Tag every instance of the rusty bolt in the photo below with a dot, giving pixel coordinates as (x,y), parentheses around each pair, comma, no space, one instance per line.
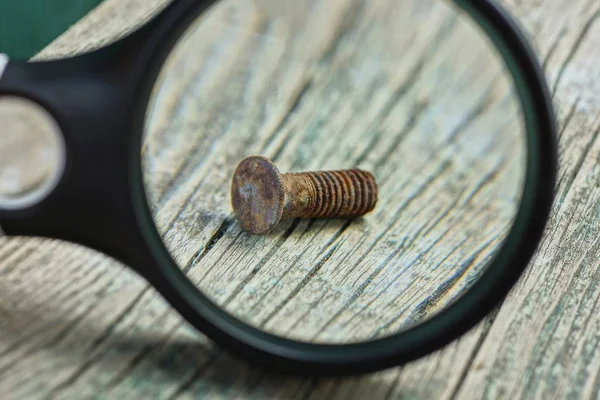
(262,196)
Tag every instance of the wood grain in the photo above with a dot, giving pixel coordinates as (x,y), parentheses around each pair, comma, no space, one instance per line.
(75,324)
(433,116)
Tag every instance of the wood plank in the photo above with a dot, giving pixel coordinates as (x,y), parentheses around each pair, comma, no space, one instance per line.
(75,324)
(543,343)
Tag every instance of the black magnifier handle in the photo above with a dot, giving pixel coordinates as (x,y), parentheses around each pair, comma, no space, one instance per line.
(91,97)
(98,101)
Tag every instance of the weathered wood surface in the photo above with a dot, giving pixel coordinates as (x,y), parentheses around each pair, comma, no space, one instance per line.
(433,117)
(74,324)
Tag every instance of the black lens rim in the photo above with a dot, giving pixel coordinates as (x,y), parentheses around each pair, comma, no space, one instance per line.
(348,359)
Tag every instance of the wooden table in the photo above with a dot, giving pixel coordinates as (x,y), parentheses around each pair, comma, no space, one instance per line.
(75,324)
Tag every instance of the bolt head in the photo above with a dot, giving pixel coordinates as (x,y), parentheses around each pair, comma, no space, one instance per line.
(257,194)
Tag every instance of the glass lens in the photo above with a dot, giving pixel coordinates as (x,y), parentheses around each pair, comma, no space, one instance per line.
(412,91)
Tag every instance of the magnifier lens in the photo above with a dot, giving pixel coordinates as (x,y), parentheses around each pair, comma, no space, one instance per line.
(412,91)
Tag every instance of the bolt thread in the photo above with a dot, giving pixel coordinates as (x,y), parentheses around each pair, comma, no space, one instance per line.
(330,194)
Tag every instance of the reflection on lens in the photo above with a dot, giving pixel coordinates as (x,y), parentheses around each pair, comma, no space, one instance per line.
(411,90)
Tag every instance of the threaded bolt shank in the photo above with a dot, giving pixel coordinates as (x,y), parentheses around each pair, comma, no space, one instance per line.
(261,196)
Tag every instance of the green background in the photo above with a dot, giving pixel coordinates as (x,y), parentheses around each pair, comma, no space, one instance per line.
(27,26)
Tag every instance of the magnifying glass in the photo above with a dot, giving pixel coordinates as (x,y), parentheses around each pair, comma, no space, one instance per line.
(440,104)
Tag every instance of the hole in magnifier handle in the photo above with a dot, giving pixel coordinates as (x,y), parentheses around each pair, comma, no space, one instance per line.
(32,153)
